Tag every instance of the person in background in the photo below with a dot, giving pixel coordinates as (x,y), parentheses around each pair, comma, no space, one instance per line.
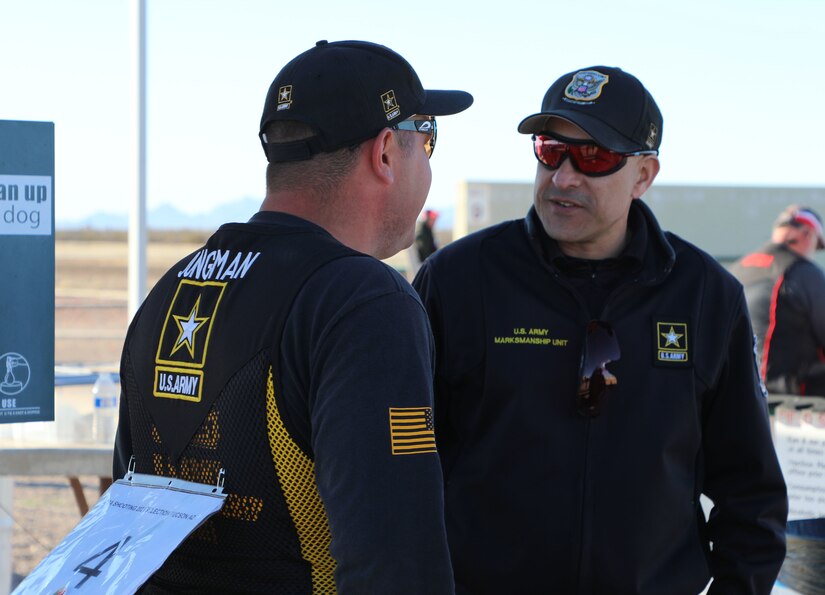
(424,236)
(785,291)
(286,353)
(595,376)
(424,243)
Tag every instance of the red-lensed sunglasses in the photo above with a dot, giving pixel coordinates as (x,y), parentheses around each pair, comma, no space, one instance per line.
(601,346)
(586,157)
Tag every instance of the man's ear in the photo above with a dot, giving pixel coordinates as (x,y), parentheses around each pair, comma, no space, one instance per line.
(648,169)
(384,154)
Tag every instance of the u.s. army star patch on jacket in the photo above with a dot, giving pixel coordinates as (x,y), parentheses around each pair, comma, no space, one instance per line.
(672,338)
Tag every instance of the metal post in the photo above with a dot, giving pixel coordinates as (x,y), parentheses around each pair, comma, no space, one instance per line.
(6,531)
(137,211)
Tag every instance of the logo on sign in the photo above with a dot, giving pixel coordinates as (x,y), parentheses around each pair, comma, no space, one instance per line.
(16,373)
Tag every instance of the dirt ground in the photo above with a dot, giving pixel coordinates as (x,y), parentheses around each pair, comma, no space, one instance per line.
(44,512)
(91,294)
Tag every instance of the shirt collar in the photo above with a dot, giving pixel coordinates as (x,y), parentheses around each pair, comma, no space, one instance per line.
(632,255)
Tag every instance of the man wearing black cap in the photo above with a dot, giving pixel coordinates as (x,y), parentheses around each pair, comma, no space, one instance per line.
(595,376)
(784,289)
(284,352)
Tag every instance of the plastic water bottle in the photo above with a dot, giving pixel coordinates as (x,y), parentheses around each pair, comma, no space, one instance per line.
(104,421)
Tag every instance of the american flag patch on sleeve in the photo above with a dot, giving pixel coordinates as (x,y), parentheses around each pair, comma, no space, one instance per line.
(412,430)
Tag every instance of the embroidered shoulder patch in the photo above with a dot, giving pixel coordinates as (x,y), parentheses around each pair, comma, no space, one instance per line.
(672,340)
(412,430)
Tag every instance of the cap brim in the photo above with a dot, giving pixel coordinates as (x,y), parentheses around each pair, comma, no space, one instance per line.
(444,103)
(603,134)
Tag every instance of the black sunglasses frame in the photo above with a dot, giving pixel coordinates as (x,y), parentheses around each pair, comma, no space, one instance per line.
(423,126)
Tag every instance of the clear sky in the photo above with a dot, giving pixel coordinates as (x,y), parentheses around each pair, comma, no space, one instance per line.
(740,85)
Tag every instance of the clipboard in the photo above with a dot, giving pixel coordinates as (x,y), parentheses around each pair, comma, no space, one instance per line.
(126,536)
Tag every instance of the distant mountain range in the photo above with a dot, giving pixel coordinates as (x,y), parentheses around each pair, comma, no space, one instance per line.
(166,216)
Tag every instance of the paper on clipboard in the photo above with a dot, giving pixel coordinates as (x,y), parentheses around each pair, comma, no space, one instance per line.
(125,537)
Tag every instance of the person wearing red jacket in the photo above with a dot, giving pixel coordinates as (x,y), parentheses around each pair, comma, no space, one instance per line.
(784,289)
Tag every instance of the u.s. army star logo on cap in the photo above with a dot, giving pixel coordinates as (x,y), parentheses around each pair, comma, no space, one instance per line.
(284,97)
(391,107)
(672,342)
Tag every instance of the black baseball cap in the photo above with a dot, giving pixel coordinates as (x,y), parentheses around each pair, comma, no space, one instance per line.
(607,103)
(348,91)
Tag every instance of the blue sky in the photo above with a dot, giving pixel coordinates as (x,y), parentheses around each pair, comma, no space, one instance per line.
(740,85)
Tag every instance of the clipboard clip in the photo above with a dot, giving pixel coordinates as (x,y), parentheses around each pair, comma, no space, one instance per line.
(173,483)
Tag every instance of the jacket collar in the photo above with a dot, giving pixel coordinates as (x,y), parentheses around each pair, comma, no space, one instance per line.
(657,254)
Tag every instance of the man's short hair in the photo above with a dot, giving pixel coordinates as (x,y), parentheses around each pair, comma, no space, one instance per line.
(321,174)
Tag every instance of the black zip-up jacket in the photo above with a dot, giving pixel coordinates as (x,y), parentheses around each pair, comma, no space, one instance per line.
(543,500)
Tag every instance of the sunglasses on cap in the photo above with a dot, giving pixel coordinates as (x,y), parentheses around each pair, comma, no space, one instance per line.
(586,157)
(423,126)
(601,346)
